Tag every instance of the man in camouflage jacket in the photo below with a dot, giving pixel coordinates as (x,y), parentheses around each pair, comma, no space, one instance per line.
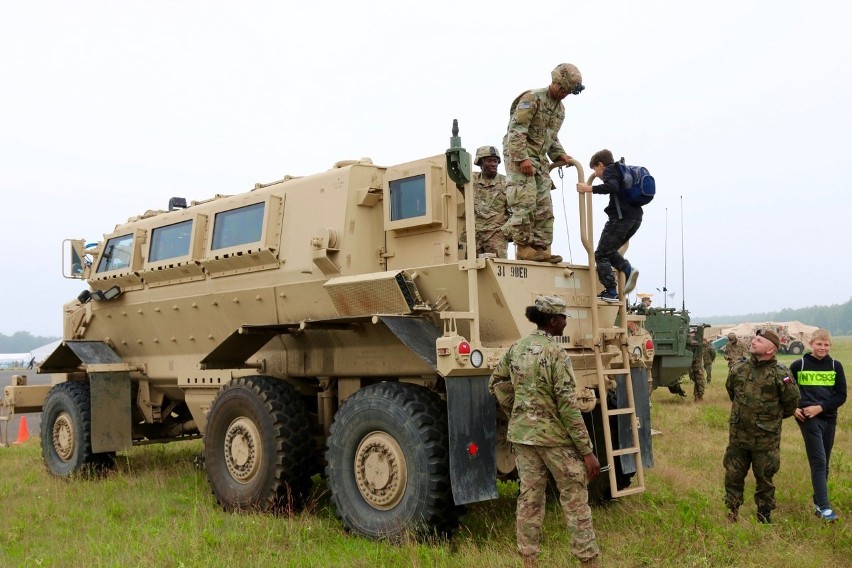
(763,393)
(709,357)
(696,369)
(734,350)
(534,384)
(531,138)
(489,203)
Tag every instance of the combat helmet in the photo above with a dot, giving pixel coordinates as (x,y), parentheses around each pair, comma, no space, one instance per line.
(568,77)
(485,152)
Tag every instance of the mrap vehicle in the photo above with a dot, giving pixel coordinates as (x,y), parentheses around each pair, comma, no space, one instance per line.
(328,324)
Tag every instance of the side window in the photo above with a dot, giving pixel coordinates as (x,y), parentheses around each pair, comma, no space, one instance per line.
(117,253)
(408,198)
(238,226)
(171,241)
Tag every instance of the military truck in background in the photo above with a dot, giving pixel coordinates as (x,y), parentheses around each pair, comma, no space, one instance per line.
(328,324)
(670,330)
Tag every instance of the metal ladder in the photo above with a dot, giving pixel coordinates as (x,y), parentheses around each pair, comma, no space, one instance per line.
(600,340)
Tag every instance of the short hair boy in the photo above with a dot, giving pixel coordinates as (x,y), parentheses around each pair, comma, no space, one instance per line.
(623,221)
(822,386)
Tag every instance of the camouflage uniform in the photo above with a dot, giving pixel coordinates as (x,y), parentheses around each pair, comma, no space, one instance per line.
(696,370)
(763,393)
(709,357)
(532,134)
(735,351)
(489,203)
(534,384)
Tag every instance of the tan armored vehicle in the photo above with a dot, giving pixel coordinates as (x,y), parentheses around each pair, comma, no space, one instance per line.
(327,324)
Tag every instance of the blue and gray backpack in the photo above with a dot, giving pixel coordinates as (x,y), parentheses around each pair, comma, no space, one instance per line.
(638,188)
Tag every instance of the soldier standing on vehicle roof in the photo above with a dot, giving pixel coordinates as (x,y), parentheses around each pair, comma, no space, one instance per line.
(489,203)
(531,138)
(734,350)
(762,393)
(534,384)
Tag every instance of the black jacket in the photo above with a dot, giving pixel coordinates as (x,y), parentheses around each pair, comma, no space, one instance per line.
(612,183)
(825,386)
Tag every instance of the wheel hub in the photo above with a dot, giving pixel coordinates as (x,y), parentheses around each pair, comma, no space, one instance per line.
(63,436)
(243,450)
(380,470)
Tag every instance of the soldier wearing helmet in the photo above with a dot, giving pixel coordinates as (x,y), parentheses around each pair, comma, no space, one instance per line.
(530,144)
(489,203)
(734,350)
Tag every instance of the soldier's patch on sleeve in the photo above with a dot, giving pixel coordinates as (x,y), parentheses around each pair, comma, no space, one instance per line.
(787,379)
(524,105)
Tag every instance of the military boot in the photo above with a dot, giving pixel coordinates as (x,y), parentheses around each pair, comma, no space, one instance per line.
(699,398)
(524,252)
(764,515)
(552,258)
(732,516)
(529,561)
(591,562)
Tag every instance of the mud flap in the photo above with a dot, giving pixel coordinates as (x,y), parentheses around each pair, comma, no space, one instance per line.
(642,400)
(472,416)
(111,412)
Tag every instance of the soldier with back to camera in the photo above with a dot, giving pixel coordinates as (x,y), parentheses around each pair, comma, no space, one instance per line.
(734,350)
(709,357)
(489,203)
(531,142)
(762,393)
(535,386)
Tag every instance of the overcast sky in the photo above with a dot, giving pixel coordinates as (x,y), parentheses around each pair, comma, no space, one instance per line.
(739,109)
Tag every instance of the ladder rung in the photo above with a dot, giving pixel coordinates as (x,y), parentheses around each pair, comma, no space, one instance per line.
(617,411)
(614,371)
(632,490)
(625,451)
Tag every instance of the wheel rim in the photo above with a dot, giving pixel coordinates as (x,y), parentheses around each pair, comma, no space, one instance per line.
(243,450)
(380,470)
(63,436)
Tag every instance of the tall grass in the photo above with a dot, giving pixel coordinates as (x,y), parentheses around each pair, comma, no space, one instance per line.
(155,509)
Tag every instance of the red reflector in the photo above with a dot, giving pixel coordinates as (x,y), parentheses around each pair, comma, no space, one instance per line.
(472,449)
(464,348)
(649,344)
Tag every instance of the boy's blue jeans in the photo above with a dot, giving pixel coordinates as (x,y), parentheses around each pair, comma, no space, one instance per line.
(615,233)
(819,439)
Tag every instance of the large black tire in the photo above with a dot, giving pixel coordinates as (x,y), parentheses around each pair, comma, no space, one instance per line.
(257,446)
(388,463)
(66,431)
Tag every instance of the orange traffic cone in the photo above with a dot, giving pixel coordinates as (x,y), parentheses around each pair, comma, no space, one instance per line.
(23,432)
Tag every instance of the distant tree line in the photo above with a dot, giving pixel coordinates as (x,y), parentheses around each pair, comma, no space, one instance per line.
(836,318)
(22,342)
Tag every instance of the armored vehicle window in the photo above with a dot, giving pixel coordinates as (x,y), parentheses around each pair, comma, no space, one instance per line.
(408,198)
(116,254)
(238,226)
(171,241)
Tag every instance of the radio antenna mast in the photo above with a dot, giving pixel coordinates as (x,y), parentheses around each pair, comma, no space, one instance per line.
(682,261)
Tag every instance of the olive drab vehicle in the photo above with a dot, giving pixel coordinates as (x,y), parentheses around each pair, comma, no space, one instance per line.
(672,356)
(328,324)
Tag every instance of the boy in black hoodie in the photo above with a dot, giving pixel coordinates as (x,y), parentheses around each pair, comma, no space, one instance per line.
(624,220)
(822,386)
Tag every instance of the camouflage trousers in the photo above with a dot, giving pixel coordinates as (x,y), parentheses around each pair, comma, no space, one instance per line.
(528,198)
(569,471)
(697,377)
(708,371)
(492,241)
(764,465)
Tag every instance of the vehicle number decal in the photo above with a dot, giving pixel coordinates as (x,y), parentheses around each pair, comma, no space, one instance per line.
(512,271)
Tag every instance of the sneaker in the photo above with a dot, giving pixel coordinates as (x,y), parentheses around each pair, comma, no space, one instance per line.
(827,515)
(610,296)
(630,278)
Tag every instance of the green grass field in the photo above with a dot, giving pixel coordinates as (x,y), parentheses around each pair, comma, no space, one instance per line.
(156,509)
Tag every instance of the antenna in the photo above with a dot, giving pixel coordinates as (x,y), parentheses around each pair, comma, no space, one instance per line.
(665,260)
(682,265)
